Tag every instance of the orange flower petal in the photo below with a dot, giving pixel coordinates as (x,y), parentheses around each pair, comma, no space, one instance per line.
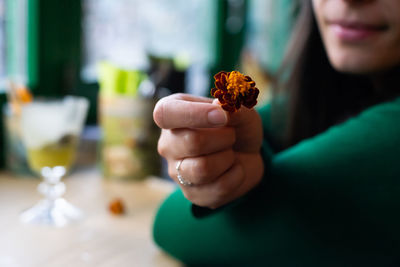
(234,89)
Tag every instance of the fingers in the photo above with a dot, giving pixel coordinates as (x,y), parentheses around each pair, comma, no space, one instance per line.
(220,150)
(183,143)
(184,111)
(204,169)
(248,129)
(219,192)
(244,173)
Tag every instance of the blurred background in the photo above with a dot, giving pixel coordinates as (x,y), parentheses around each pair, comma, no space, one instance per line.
(99,48)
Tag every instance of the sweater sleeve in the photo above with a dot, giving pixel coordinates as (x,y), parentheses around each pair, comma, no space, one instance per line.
(331,200)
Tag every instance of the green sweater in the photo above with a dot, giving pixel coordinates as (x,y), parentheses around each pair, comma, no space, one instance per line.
(330,200)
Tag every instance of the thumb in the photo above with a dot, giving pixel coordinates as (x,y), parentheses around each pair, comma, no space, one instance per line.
(248,128)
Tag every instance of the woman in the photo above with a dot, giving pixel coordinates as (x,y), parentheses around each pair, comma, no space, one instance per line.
(313,180)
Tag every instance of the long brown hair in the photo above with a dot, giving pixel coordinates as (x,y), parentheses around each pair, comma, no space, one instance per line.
(316,95)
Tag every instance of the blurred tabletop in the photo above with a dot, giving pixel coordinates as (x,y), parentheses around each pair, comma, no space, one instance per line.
(101,239)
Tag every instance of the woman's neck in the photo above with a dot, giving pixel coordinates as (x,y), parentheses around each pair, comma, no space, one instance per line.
(387,84)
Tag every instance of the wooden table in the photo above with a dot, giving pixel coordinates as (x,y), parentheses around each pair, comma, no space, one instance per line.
(100,239)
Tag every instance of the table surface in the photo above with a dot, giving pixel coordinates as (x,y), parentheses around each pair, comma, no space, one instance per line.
(101,239)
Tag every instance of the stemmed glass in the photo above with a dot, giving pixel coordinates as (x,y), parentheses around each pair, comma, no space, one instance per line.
(50,131)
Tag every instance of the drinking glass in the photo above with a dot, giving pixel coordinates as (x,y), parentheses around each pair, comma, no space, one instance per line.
(50,131)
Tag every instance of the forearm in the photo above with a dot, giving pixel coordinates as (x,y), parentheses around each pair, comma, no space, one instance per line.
(250,232)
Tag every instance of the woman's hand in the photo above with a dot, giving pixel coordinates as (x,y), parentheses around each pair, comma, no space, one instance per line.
(219,152)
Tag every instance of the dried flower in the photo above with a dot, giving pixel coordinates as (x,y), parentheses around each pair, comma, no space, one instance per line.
(234,89)
(116,207)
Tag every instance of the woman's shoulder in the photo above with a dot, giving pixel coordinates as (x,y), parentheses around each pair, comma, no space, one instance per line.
(366,145)
(384,116)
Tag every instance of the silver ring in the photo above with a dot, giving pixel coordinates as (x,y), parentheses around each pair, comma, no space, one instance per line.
(181,180)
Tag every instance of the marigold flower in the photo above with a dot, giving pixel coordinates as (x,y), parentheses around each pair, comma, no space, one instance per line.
(234,89)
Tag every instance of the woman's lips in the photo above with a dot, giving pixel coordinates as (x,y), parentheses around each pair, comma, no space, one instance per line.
(355,32)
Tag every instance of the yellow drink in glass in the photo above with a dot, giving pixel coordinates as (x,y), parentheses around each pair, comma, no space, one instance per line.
(50,130)
(57,154)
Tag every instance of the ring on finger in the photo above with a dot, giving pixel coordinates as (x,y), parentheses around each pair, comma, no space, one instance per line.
(181,180)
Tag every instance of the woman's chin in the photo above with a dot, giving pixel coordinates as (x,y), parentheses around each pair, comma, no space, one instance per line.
(355,67)
(361,64)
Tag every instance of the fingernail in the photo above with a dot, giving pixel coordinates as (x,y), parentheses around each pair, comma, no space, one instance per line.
(217,117)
